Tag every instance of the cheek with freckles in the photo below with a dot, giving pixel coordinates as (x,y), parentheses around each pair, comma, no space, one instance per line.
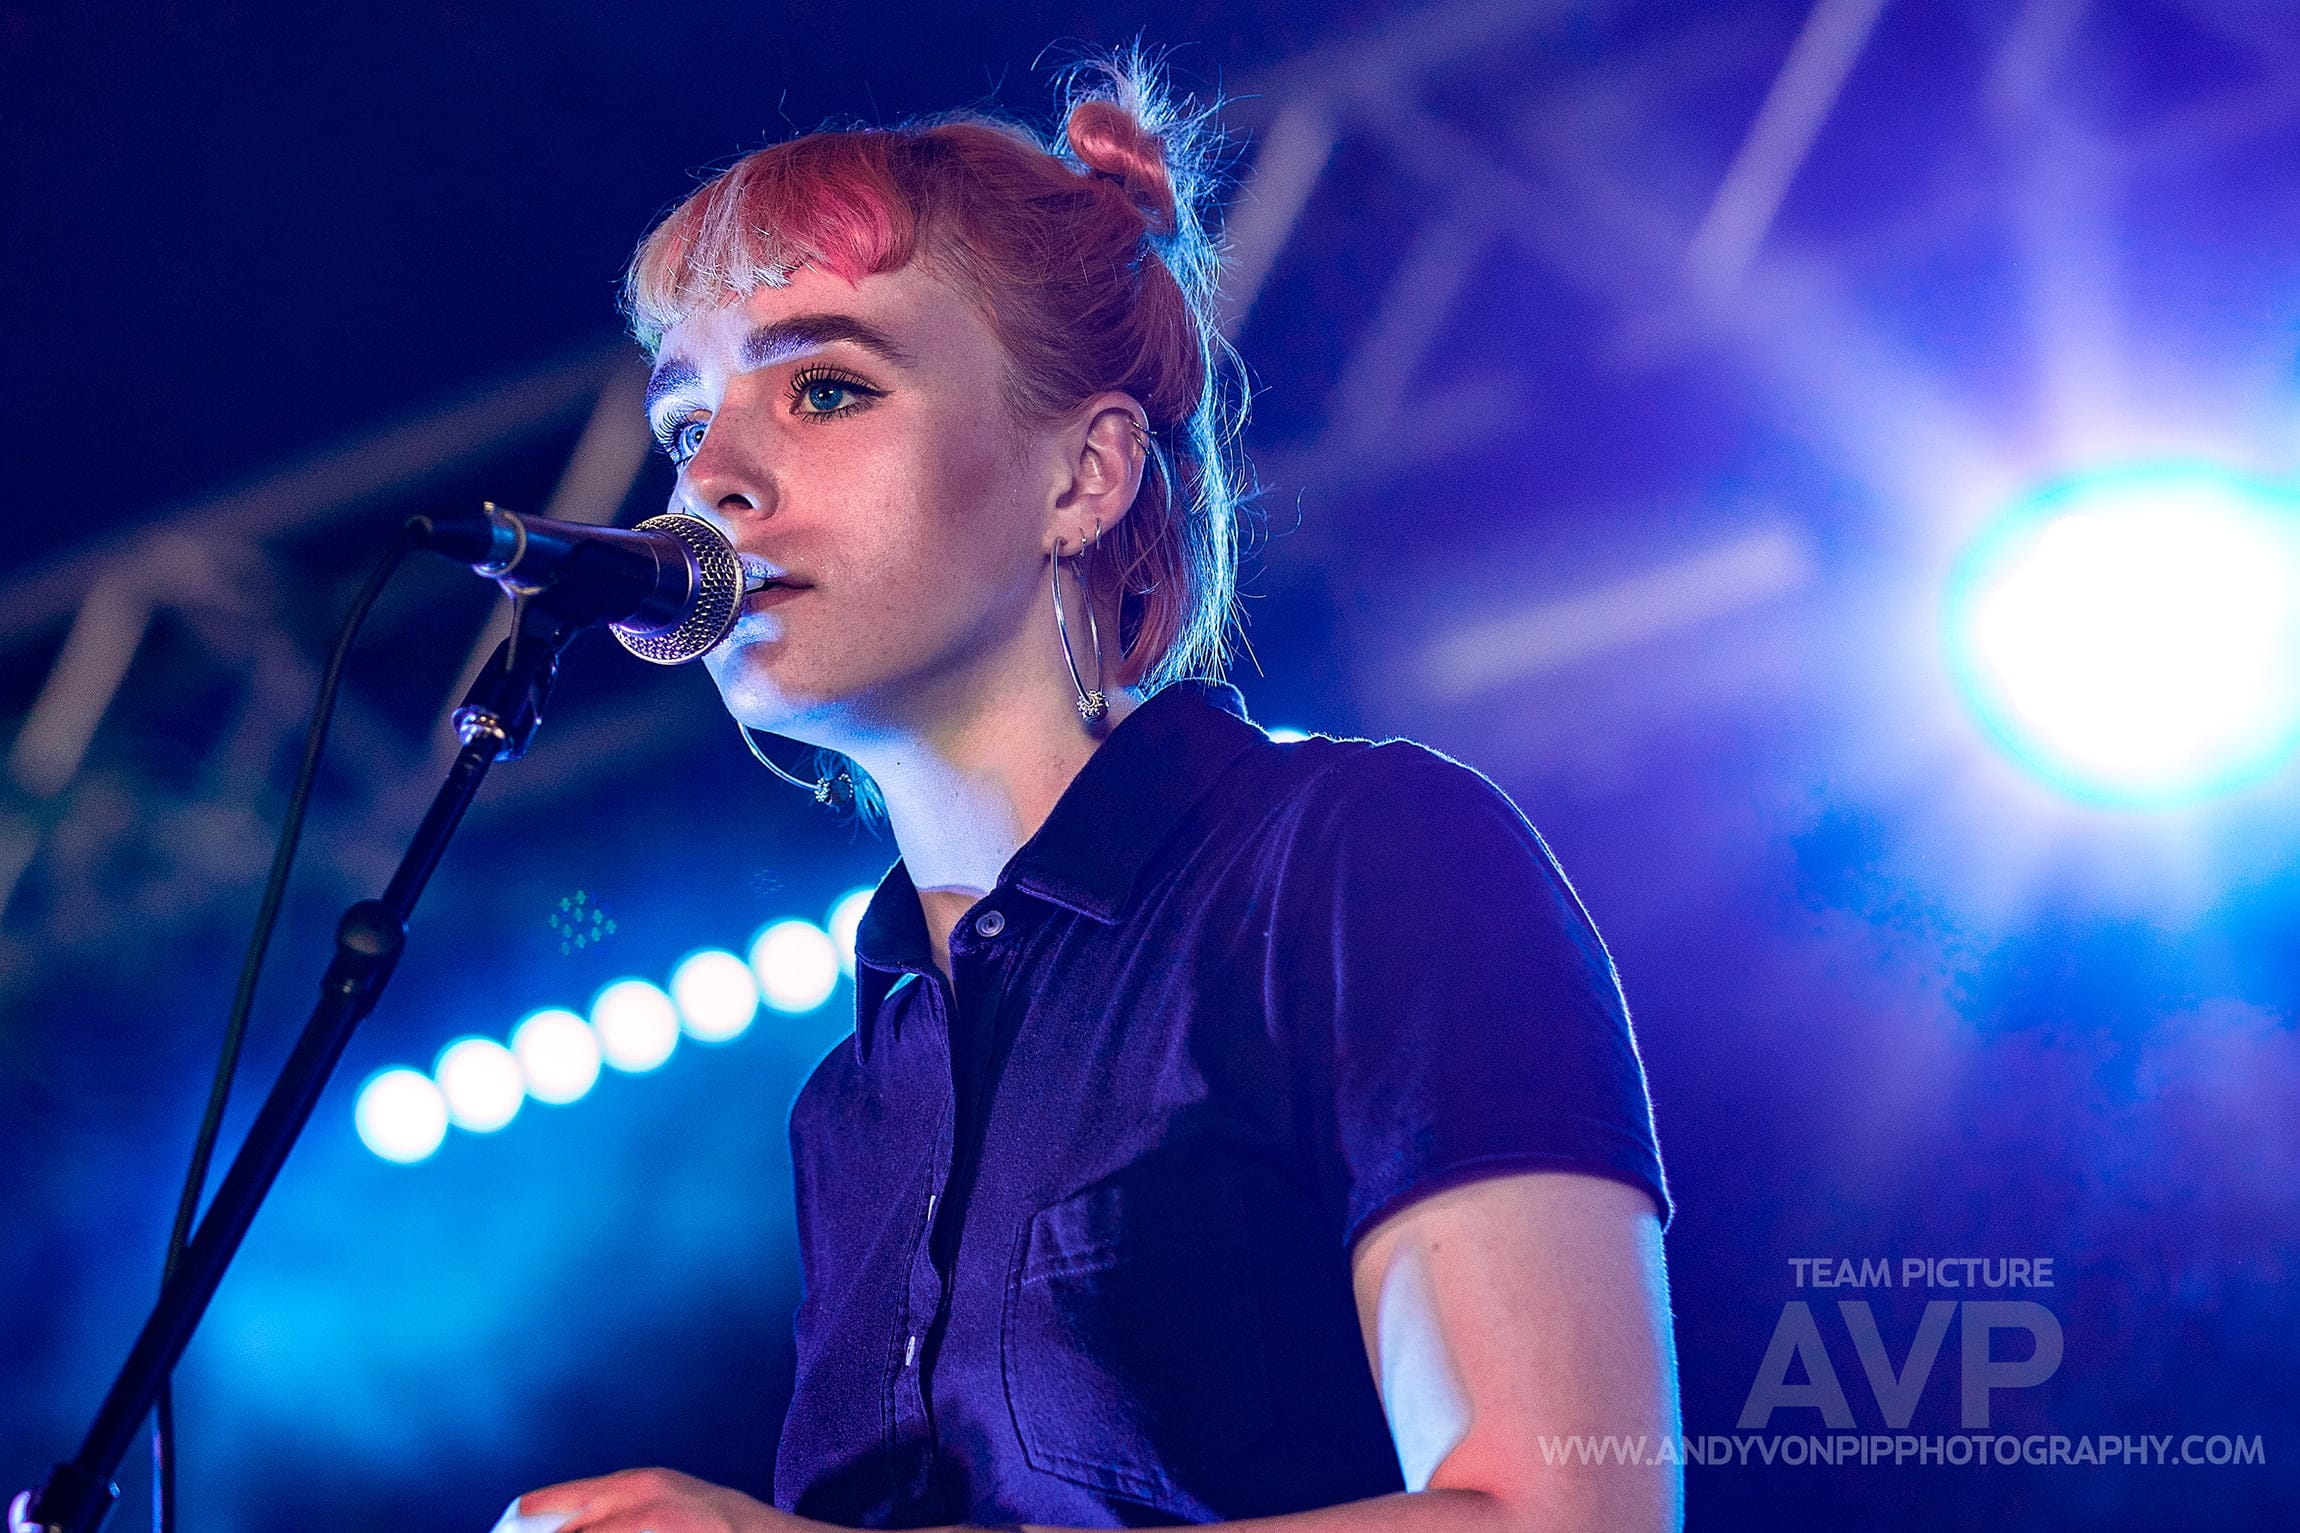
(944,544)
(926,555)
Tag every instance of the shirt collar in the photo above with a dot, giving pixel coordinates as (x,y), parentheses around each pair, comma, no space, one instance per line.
(1125,803)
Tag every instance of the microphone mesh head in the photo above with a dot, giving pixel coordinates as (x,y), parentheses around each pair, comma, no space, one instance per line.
(718,594)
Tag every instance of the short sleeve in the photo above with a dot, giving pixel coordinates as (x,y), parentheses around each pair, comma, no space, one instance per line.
(1450,1009)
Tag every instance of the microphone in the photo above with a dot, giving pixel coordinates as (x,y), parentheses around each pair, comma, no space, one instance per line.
(669,589)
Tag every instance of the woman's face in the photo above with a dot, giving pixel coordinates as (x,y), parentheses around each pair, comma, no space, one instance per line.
(855,438)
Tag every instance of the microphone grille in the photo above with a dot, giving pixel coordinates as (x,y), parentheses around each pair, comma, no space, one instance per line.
(718,594)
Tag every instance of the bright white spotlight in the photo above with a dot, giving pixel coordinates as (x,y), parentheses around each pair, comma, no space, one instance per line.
(716,995)
(638,1027)
(796,964)
(2135,637)
(481,1082)
(558,1055)
(845,920)
(400,1115)
(1285,736)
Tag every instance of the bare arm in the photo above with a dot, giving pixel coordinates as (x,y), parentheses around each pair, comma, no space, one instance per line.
(1504,1318)
(1511,1315)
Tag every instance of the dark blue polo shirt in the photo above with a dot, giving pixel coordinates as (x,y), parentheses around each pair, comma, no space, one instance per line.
(1076,1230)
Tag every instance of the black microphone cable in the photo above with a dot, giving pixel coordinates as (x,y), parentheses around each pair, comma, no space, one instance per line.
(412,535)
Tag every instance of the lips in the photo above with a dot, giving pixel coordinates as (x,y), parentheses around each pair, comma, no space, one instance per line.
(760,573)
(757,621)
(766,584)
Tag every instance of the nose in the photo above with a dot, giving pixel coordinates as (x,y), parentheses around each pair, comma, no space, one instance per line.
(728,479)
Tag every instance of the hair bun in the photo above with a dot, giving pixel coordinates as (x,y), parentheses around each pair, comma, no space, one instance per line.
(1114,144)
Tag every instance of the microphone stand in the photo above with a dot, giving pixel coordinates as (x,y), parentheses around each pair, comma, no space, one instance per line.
(497,721)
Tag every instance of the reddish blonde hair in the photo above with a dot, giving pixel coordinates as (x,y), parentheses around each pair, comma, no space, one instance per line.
(1089,261)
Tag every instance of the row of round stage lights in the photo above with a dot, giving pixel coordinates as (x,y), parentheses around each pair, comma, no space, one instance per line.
(555,1055)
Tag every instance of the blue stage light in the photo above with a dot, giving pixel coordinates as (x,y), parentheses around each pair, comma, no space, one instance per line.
(555,1055)
(716,995)
(845,918)
(558,1055)
(481,1083)
(400,1115)
(1286,736)
(637,1024)
(2134,637)
(796,964)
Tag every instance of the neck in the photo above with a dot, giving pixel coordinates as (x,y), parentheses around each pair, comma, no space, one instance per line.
(967,789)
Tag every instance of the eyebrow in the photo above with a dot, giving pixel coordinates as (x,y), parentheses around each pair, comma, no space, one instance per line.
(801,333)
(779,341)
(669,376)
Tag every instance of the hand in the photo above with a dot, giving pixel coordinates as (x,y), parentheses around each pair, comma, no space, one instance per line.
(657,1501)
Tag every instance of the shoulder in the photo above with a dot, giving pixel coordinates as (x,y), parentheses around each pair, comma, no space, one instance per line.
(1395,854)
(826,1099)
(1399,802)
(1394,778)
(1433,975)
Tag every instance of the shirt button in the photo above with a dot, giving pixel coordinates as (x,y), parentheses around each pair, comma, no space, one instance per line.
(989,924)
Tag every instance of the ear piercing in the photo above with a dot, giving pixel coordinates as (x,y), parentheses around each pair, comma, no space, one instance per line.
(1092,705)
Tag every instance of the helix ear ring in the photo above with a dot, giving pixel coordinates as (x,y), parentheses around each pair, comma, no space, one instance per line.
(1092,705)
(1154,462)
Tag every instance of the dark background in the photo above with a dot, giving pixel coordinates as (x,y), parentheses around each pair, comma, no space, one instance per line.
(282,274)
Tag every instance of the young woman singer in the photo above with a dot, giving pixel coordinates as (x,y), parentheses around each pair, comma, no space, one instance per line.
(1232,1131)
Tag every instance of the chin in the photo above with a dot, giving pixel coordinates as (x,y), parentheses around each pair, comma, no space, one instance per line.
(763,699)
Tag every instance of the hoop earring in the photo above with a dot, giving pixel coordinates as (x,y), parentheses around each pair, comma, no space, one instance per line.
(1091,703)
(835,791)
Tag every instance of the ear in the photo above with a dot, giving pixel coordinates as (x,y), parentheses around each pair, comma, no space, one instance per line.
(1105,451)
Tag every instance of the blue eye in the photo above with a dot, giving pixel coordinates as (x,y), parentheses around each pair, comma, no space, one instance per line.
(820,392)
(685,440)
